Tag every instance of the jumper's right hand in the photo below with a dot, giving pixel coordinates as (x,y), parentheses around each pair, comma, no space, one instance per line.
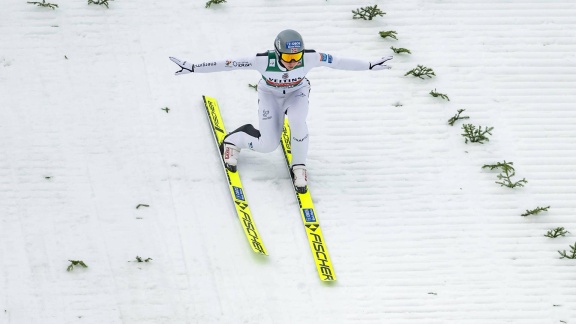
(186,67)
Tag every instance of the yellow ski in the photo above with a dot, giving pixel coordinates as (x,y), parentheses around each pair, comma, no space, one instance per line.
(310,219)
(236,189)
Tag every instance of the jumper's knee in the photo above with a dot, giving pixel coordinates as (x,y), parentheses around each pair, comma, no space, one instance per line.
(267,146)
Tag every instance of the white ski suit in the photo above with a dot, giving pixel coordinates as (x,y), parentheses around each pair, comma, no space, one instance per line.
(281,91)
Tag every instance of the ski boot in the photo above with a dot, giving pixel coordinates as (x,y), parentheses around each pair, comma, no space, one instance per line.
(229,155)
(300,178)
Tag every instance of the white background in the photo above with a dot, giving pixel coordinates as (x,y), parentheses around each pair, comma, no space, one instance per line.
(418,232)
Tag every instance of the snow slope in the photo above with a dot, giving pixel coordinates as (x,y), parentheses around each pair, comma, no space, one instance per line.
(418,232)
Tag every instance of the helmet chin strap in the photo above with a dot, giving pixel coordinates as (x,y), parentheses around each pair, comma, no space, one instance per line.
(278,54)
(281,63)
(279,57)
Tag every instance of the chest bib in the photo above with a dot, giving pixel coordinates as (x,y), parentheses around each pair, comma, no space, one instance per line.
(275,77)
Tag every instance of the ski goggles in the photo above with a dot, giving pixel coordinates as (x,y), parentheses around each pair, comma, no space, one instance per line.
(289,57)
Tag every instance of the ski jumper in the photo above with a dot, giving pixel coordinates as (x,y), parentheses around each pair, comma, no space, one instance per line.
(280,92)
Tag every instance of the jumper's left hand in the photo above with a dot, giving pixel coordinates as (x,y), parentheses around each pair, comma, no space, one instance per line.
(379,64)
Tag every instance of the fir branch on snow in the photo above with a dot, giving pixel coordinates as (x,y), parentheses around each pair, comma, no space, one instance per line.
(535,211)
(254,86)
(572,255)
(211,2)
(507,172)
(436,94)
(420,71)
(44,4)
(166,109)
(75,263)
(400,50)
(476,135)
(456,117)
(367,13)
(139,259)
(558,231)
(99,2)
(142,205)
(389,33)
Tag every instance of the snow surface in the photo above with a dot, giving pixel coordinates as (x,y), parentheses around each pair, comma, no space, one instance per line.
(418,232)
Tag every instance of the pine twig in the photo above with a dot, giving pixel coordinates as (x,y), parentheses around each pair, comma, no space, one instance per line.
(572,255)
(558,231)
(506,174)
(476,135)
(400,50)
(436,94)
(456,117)
(52,6)
(535,211)
(140,259)
(99,2)
(367,13)
(389,33)
(211,2)
(75,263)
(421,71)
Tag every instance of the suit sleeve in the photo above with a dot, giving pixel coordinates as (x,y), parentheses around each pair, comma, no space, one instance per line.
(338,63)
(245,63)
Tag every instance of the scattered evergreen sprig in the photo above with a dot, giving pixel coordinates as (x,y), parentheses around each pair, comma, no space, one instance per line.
(400,50)
(253,86)
(421,71)
(389,33)
(99,2)
(367,13)
(166,109)
(507,172)
(211,2)
(44,4)
(535,211)
(558,231)
(140,259)
(75,263)
(436,94)
(456,117)
(142,205)
(476,135)
(572,255)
